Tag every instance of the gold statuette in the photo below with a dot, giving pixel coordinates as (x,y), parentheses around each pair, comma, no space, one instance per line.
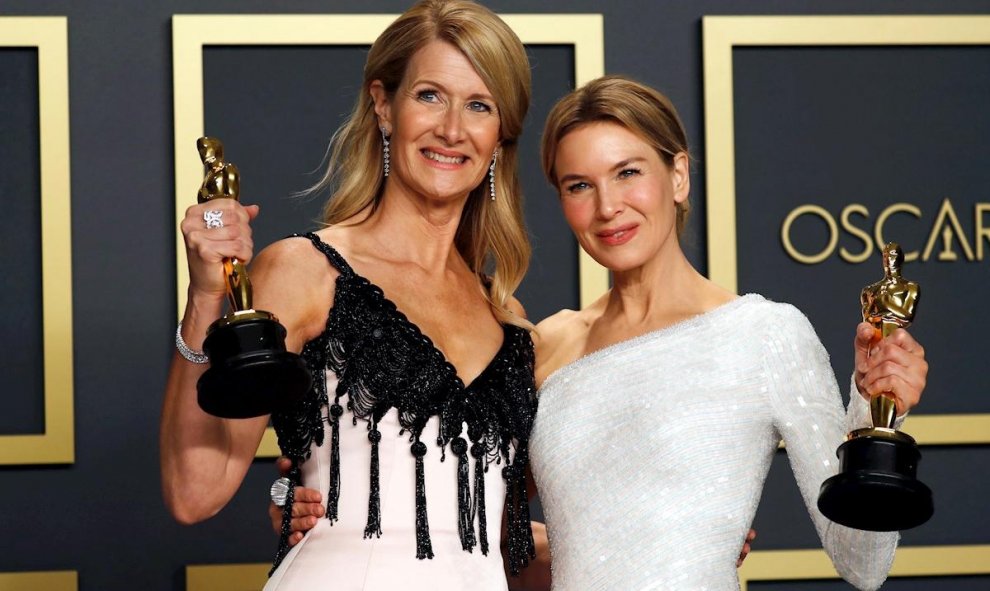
(251,373)
(876,487)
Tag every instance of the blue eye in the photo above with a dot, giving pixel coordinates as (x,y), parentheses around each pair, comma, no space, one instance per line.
(479,107)
(628,172)
(428,96)
(576,187)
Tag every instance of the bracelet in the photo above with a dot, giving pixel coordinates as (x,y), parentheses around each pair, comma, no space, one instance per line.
(185,351)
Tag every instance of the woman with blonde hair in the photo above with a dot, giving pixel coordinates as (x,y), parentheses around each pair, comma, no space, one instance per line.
(673,392)
(422,362)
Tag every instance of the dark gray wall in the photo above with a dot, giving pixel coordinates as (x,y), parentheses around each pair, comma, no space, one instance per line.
(103,516)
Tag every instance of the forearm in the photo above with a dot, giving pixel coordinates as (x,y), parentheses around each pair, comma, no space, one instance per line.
(203,458)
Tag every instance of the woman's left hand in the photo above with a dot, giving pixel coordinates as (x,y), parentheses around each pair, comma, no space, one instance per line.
(895,364)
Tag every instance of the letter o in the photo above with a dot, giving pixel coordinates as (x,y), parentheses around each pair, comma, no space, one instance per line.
(785,234)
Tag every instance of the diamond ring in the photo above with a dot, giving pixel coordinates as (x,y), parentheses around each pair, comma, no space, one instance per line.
(280,491)
(212,217)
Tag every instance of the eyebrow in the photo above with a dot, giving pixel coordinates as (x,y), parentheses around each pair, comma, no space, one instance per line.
(619,165)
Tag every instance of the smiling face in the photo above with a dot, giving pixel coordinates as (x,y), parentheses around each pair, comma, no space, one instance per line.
(443,124)
(618,196)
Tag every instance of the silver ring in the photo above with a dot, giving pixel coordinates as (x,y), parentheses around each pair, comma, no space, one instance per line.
(212,217)
(280,491)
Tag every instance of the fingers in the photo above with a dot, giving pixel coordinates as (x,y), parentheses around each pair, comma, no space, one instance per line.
(207,247)
(897,365)
(232,239)
(746,549)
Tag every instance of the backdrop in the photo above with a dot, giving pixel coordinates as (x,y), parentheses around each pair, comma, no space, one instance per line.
(815,139)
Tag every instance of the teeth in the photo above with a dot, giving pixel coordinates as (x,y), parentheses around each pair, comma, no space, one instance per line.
(442,158)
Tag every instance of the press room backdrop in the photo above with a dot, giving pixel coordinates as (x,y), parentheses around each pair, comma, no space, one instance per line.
(815,139)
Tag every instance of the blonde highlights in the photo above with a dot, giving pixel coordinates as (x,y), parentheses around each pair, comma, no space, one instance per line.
(491,234)
(616,99)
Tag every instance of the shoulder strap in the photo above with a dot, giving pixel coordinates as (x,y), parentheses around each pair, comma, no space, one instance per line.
(332,255)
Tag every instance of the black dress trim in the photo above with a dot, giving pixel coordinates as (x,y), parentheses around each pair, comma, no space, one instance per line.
(383,361)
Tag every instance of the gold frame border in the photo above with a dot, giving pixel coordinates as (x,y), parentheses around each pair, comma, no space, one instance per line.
(226,577)
(723,33)
(56,580)
(910,561)
(191,32)
(57,445)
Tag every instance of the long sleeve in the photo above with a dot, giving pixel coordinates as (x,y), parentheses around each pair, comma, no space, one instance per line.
(808,414)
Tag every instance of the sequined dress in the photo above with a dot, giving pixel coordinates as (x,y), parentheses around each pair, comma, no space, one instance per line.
(650,455)
(415,466)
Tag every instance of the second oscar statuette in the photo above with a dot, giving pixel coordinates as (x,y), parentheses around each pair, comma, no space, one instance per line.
(877,487)
(251,373)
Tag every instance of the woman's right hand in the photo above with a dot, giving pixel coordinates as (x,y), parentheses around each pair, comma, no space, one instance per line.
(307,507)
(206,248)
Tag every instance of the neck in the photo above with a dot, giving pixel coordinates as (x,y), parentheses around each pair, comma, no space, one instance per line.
(650,292)
(416,230)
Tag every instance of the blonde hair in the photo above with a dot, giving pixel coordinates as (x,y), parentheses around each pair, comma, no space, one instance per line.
(490,232)
(616,99)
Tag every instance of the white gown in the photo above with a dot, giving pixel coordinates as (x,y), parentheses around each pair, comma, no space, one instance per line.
(650,455)
(337,557)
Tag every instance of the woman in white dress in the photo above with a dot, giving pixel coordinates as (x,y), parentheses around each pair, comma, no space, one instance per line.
(662,403)
(415,430)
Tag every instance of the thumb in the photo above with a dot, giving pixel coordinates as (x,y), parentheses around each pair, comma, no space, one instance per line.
(866,335)
(283,464)
(252,211)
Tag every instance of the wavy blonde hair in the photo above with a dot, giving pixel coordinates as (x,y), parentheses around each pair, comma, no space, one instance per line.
(491,234)
(617,99)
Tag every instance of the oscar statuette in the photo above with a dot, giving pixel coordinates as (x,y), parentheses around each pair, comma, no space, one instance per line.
(251,373)
(876,488)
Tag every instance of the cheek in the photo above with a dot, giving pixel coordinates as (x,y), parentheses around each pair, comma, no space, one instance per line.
(577,212)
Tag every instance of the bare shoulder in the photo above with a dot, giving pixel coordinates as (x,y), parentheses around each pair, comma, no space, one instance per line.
(294,281)
(559,340)
(516,307)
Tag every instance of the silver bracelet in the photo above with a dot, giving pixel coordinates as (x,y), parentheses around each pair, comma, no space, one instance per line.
(185,351)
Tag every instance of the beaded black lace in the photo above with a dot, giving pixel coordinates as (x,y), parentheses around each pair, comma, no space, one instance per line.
(383,361)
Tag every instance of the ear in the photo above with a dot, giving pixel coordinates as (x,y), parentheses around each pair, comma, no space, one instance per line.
(383,106)
(680,173)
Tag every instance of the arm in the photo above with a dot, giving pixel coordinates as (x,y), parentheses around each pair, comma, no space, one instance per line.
(808,413)
(204,458)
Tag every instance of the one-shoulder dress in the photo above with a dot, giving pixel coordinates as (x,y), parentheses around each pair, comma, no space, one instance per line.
(650,455)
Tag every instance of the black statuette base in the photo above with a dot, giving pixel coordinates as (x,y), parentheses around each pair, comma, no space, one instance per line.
(251,374)
(876,488)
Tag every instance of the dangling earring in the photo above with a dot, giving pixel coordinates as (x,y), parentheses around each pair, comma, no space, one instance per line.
(385,150)
(491,174)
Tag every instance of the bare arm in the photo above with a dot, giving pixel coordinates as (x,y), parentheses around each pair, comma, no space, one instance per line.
(204,458)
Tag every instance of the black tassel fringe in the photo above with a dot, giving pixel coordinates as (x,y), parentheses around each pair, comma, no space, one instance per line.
(374,526)
(424,546)
(286,528)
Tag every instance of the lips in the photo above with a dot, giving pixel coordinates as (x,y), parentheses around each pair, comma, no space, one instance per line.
(618,235)
(441,157)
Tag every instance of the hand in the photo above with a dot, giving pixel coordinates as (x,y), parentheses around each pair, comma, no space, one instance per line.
(207,247)
(306,508)
(746,547)
(895,364)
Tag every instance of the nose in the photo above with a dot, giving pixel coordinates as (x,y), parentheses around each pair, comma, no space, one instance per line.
(450,127)
(609,203)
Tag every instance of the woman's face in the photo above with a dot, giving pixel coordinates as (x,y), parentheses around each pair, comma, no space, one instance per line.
(618,195)
(443,122)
